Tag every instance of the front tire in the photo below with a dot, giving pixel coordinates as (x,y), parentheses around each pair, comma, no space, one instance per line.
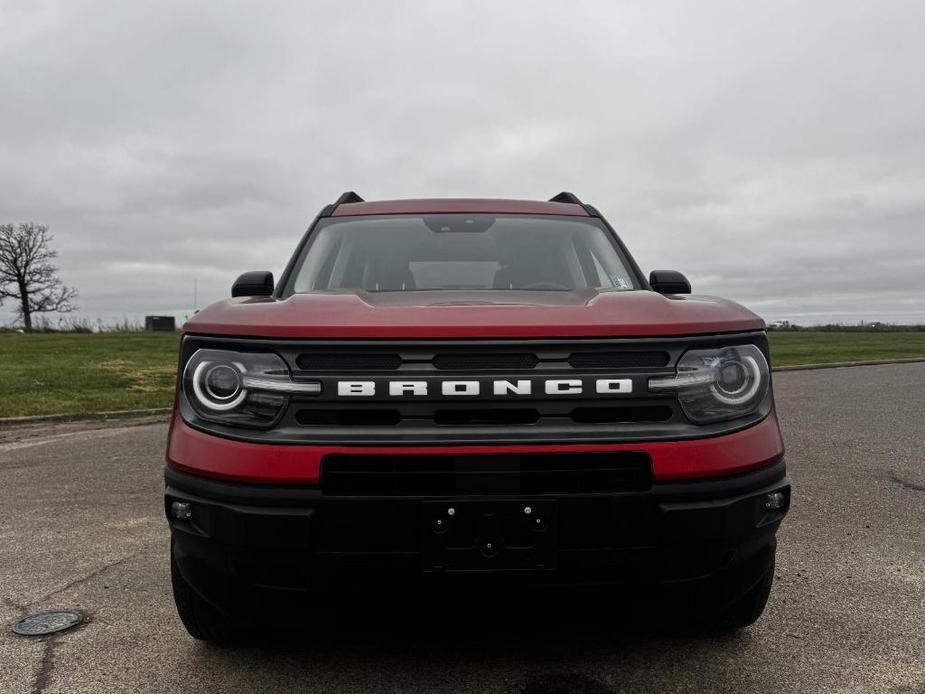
(202,620)
(742,612)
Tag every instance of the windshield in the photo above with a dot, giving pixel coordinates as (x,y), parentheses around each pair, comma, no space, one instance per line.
(460,251)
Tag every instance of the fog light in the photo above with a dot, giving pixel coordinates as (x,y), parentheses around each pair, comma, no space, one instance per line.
(775,501)
(181,510)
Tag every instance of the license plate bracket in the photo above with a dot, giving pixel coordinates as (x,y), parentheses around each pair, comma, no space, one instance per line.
(491,535)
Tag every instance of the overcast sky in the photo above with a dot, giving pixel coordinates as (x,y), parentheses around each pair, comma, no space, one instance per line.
(774,152)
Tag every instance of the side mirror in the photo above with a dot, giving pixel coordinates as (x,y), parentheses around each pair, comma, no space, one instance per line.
(257,283)
(669,282)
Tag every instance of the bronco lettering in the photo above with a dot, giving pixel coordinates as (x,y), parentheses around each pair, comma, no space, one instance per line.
(501,388)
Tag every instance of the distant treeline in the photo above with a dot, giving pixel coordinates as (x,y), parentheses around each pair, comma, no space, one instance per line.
(80,325)
(872,327)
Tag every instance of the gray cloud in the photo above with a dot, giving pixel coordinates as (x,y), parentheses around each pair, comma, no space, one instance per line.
(773,151)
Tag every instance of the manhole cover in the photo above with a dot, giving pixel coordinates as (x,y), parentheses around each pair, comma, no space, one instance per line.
(47,623)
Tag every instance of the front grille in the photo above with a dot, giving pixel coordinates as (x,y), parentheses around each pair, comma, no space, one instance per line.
(475,475)
(368,412)
(469,392)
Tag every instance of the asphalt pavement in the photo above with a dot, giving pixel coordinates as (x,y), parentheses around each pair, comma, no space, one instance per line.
(81,526)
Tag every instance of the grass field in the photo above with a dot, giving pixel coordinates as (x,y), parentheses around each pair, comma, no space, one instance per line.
(807,347)
(46,373)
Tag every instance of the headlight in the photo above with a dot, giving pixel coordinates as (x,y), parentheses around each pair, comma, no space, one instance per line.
(240,388)
(718,384)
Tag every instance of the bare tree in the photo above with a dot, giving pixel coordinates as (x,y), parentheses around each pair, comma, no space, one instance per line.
(27,274)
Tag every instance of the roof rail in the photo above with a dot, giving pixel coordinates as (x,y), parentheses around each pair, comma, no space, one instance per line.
(349,196)
(566,197)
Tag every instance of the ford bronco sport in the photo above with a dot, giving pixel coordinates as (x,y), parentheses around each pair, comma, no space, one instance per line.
(439,389)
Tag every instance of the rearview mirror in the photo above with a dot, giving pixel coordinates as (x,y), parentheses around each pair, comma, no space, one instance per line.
(669,282)
(256,283)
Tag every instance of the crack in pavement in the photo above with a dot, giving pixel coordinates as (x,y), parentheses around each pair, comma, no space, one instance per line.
(906,484)
(90,576)
(46,665)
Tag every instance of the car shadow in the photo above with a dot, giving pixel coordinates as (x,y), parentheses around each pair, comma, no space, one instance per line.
(529,641)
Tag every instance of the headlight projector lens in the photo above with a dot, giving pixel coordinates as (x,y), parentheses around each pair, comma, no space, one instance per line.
(737,381)
(219,386)
(223,382)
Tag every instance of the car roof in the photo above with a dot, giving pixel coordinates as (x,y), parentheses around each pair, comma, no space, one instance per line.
(459,205)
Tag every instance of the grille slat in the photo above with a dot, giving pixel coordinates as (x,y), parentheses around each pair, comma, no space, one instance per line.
(458,360)
(485,362)
(616,415)
(469,475)
(618,360)
(484,416)
(339,361)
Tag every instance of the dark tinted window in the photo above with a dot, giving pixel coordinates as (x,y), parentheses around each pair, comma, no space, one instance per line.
(458,251)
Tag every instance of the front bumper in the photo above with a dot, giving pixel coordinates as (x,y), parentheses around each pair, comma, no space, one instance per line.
(245,540)
(209,455)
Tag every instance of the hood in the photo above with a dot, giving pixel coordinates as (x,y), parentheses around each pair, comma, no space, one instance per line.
(473,314)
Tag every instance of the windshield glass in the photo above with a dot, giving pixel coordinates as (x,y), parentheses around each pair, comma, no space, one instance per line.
(460,251)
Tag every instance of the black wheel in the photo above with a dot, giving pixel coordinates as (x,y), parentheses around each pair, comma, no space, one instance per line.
(201,620)
(744,612)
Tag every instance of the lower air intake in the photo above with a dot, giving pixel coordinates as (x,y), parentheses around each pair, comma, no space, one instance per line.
(475,475)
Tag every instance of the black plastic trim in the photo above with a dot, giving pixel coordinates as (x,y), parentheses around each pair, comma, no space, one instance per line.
(484,436)
(247,541)
(254,283)
(348,197)
(669,282)
(565,196)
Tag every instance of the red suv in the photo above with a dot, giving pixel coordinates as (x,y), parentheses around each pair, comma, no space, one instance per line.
(442,388)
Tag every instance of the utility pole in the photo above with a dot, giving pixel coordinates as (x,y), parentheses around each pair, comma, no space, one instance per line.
(195,294)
